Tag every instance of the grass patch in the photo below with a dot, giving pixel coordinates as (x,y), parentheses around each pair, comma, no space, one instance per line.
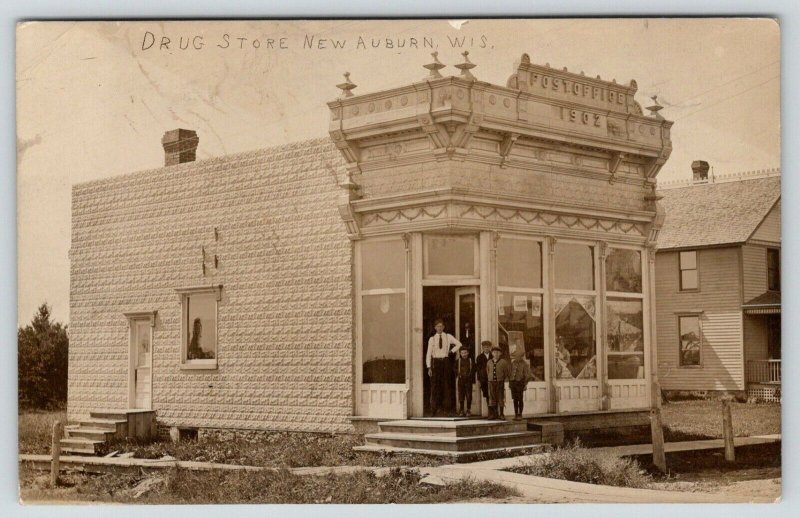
(692,420)
(36,429)
(278,449)
(578,464)
(703,419)
(266,487)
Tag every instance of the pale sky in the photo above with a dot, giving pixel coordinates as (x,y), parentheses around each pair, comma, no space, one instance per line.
(91,103)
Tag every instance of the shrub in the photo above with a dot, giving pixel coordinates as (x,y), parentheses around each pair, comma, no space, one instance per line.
(42,362)
(579,464)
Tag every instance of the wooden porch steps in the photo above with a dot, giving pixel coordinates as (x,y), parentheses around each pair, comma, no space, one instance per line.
(455,438)
(86,437)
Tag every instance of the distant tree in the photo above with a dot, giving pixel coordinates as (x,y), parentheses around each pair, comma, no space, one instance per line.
(42,356)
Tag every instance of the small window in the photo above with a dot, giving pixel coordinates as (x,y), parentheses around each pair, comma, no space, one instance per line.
(450,255)
(199,327)
(690,340)
(574,265)
(624,270)
(773,269)
(688,269)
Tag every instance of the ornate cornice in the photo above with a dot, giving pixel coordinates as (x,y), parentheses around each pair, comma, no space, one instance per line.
(450,215)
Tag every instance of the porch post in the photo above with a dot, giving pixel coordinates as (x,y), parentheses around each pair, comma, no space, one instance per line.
(415,394)
(488,292)
(550,342)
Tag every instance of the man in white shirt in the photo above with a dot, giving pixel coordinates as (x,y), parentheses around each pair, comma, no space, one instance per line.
(439,347)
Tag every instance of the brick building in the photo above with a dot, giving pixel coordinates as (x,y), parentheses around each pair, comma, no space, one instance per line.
(294,288)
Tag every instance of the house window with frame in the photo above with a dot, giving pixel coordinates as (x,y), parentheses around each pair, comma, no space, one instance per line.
(688,270)
(773,269)
(691,340)
(199,347)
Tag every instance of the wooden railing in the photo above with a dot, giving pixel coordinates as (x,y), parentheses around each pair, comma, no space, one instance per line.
(763,371)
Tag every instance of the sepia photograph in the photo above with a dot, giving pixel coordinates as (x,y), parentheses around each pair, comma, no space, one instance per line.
(411,261)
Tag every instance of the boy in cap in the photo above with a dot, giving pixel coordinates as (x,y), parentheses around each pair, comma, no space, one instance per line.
(497,372)
(464,368)
(439,347)
(518,379)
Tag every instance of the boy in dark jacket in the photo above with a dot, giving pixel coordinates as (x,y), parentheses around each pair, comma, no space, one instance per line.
(480,367)
(497,371)
(464,368)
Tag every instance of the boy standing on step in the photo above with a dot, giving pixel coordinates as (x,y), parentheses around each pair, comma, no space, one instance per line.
(465,376)
(497,372)
(518,380)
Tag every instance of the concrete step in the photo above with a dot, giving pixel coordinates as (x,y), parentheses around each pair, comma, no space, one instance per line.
(552,431)
(453,444)
(95,434)
(79,446)
(467,428)
(457,456)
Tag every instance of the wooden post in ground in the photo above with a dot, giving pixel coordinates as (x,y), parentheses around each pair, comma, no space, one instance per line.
(727,429)
(657,433)
(58,431)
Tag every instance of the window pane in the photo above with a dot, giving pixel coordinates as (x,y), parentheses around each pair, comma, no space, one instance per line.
(519,263)
(383,338)
(202,326)
(450,255)
(624,270)
(625,325)
(574,265)
(626,366)
(688,260)
(689,280)
(773,270)
(383,264)
(690,339)
(520,328)
(143,343)
(576,349)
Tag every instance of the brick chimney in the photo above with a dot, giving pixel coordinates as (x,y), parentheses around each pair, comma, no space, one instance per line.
(700,170)
(180,146)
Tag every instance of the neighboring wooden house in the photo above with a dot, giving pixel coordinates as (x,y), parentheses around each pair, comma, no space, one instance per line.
(718,285)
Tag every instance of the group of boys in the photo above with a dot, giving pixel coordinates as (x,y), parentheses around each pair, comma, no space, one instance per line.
(490,368)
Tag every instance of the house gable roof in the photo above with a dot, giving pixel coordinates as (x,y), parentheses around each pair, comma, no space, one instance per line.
(716,213)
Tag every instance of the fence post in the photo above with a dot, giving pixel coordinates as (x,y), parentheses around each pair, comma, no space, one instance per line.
(657,433)
(727,429)
(58,430)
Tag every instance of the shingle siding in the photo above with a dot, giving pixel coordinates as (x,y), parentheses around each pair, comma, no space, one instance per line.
(285,320)
(716,213)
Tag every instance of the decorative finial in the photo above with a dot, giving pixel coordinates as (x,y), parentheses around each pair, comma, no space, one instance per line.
(633,84)
(346,86)
(466,66)
(655,108)
(434,67)
(526,59)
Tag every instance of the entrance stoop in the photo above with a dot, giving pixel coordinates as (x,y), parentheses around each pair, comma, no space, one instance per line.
(104,425)
(453,438)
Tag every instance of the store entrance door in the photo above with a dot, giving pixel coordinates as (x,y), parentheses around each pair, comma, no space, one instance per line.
(457,307)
